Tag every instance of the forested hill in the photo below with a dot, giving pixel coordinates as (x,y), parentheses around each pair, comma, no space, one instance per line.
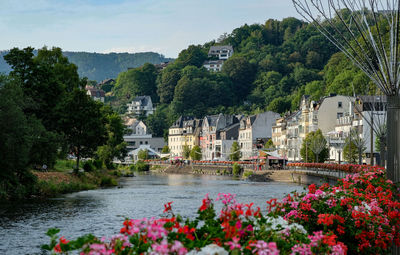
(98,66)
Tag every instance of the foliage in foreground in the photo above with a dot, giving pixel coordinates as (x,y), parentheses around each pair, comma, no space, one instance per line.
(359,215)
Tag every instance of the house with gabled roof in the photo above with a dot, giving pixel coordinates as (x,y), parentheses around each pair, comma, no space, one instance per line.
(141,105)
(211,127)
(95,93)
(222,52)
(254,131)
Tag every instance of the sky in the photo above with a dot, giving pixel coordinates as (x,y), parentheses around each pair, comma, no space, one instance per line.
(103,26)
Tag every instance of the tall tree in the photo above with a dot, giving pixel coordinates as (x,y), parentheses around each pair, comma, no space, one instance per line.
(195,153)
(241,72)
(314,147)
(115,147)
(81,118)
(234,154)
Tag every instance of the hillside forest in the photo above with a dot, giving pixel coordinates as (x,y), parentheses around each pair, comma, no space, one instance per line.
(273,65)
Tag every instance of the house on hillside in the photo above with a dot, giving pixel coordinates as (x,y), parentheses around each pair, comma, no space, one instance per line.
(106,85)
(141,105)
(222,52)
(217,55)
(95,93)
(213,65)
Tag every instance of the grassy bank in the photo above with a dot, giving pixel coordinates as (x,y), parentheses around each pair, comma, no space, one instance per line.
(50,184)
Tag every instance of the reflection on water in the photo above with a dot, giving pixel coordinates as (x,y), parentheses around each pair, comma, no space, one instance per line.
(23,225)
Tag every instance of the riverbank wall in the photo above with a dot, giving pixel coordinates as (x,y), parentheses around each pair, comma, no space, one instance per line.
(290,176)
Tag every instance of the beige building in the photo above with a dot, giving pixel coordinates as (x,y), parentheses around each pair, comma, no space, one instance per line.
(332,108)
(184,132)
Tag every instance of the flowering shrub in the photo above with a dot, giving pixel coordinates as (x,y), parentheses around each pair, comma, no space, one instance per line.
(358,215)
(348,168)
(362,211)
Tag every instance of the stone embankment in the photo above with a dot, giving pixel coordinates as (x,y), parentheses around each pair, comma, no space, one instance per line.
(292,175)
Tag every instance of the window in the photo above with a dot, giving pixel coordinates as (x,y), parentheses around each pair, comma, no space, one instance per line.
(146,142)
(141,142)
(339,114)
(339,105)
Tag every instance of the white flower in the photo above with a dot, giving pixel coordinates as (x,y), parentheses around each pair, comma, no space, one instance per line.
(281,224)
(211,249)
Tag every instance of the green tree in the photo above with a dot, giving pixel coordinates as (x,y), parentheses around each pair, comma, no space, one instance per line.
(139,81)
(143,154)
(192,56)
(241,72)
(115,147)
(81,118)
(235,152)
(269,144)
(350,151)
(166,83)
(314,147)
(186,152)
(195,153)
(165,149)
(279,105)
(16,141)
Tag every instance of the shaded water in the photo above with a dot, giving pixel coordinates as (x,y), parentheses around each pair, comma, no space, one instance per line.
(101,212)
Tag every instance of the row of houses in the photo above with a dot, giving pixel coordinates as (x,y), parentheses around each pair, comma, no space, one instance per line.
(336,116)
(215,134)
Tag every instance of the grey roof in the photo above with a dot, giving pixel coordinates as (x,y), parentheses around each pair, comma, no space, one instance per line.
(180,121)
(105,81)
(144,100)
(215,49)
(212,120)
(230,127)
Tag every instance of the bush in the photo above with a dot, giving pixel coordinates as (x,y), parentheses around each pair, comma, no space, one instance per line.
(88,166)
(247,173)
(98,164)
(142,167)
(236,169)
(108,181)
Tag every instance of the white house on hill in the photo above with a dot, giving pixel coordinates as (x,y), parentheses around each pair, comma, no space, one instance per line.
(141,105)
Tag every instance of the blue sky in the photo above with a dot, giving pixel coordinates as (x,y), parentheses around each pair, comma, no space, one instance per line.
(164,26)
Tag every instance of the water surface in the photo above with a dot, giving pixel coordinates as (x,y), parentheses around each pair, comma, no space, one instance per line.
(23,225)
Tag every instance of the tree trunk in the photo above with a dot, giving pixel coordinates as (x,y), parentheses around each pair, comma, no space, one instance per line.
(359,155)
(393,138)
(78,155)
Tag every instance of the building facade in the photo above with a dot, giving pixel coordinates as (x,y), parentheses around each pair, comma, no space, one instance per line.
(141,105)
(254,131)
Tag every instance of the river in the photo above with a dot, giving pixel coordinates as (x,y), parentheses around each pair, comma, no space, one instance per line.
(23,225)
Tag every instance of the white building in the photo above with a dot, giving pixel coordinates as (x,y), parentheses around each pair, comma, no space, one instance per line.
(214,65)
(141,105)
(217,55)
(138,137)
(254,131)
(221,52)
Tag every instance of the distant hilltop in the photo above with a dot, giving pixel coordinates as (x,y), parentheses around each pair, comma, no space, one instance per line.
(100,66)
